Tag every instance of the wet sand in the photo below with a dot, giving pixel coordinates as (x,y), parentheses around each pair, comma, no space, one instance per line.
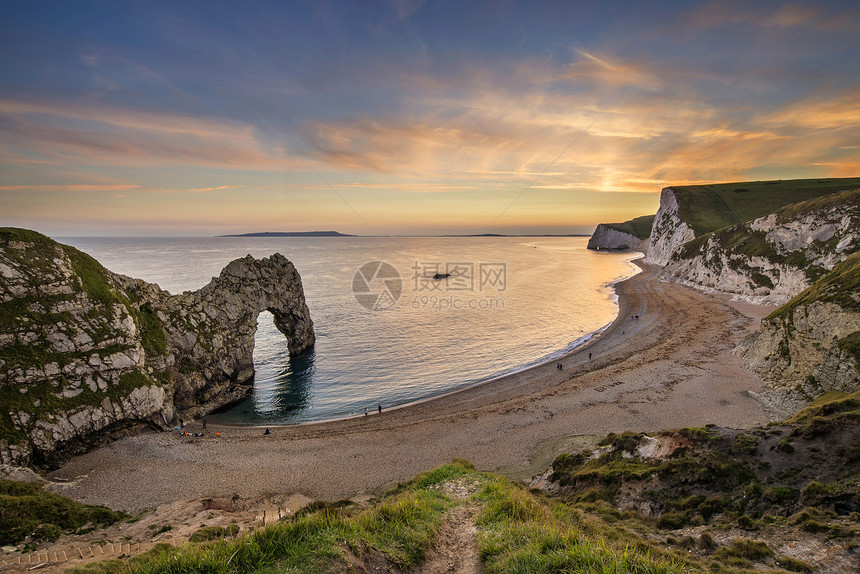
(671,368)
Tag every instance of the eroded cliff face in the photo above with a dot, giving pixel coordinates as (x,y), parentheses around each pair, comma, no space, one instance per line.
(86,354)
(669,232)
(771,259)
(804,358)
(809,346)
(604,237)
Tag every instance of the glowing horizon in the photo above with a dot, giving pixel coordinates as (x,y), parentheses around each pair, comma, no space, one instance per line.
(405,117)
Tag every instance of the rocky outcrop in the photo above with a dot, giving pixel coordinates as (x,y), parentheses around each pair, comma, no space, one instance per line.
(605,237)
(771,259)
(86,354)
(669,232)
(809,346)
(689,211)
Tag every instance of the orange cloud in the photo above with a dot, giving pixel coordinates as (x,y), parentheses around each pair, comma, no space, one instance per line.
(820,113)
(205,189)
(96,134)
(632,144)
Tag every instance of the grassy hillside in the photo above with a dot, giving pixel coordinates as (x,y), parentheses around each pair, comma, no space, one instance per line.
(27,510)
(709,207)
(518,531)
(793,481)
(639,227)
(720,500)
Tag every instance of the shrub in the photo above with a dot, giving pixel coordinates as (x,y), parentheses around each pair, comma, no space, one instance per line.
(214,533)
(793,564)
(673,521)
(707,542)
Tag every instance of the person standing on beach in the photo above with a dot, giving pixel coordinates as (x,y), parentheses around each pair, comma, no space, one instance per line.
(365,411)
(204,424)
(380,409)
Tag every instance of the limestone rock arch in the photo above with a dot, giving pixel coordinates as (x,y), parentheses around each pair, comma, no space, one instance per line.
(224,315)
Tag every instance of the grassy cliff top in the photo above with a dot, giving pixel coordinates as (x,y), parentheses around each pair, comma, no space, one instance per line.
(709,207)
(740,239)
(639,227)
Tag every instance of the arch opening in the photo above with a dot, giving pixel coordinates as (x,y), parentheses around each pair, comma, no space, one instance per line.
(282,384)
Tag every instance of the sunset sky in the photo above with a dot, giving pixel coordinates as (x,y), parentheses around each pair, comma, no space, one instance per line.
(410,117)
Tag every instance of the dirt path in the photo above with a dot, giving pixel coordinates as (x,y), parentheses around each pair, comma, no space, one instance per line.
(672,367)
(456,550)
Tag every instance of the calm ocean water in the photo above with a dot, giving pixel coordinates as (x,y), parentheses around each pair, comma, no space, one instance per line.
(509,303)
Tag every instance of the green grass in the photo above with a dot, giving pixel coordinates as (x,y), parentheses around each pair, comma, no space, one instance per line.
(639,227)
(744,550)
(851,345)
(401,526)
(707,208)
(93,276)
(725,478)
(152,337)
(27,510)
(518,532)
(828,406)
(793,564)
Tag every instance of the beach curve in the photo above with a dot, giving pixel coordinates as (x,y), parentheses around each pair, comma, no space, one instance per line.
(671,367)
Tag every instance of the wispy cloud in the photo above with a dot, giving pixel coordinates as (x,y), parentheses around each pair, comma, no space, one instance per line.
(207,189)
(820,112)
(641,140)
(604,69)
(406,110)
(719,13)
(68,187)
(75,133)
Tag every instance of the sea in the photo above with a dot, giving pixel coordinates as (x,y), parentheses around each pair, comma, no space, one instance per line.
(397,319)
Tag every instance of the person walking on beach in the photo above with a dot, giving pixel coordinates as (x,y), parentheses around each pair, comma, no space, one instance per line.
(380,409)
(365,411)
(589,355)
(204,424)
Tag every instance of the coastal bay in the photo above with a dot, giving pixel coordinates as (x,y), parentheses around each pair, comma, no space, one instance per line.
(672,367)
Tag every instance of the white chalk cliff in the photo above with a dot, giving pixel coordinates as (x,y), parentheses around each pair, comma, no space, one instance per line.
(86,354)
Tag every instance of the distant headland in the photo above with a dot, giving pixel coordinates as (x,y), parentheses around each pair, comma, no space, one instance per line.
(339,234)
(291,234)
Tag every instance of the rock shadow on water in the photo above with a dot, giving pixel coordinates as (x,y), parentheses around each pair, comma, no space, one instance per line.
(280,393)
